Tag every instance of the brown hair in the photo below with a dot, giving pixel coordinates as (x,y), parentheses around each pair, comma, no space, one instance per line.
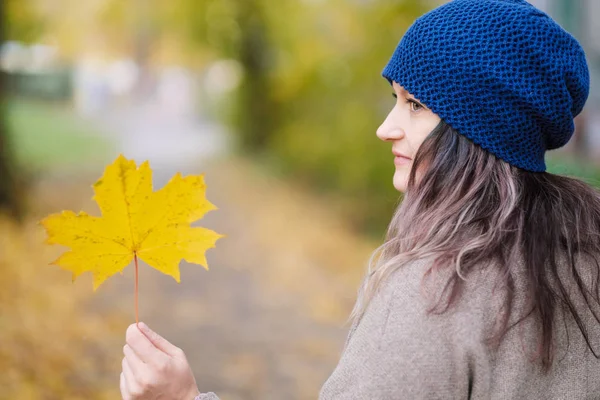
(466,208)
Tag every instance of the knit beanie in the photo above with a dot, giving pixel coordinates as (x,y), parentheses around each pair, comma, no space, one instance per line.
(500,72)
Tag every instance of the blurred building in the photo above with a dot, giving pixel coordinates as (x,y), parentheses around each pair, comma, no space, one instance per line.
(35,71)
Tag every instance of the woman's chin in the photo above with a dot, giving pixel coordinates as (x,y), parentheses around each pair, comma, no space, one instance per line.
(400,180)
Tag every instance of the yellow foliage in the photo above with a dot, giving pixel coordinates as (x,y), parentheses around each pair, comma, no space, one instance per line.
(51,348)
(155,226)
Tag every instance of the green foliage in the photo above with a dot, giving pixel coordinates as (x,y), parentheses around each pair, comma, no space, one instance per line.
(23,23)
(563,165)
(312,96)
(325,76)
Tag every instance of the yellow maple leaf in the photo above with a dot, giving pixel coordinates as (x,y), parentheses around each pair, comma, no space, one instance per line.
(135,222)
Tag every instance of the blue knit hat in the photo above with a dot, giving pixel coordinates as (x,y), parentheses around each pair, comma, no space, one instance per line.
(500,72)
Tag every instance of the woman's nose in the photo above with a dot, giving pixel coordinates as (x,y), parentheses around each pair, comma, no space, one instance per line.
(389,129)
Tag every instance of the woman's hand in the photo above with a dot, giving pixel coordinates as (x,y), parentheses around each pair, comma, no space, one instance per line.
(154,369)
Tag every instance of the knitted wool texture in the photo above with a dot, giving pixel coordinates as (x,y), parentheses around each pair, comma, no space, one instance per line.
(500,72)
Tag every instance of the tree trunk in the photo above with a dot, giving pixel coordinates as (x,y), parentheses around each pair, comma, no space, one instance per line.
(257,113)
(9,195)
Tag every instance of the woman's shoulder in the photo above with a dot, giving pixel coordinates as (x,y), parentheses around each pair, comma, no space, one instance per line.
(424,285)
(417,301)
(394,348)
(483,297)
(419,292)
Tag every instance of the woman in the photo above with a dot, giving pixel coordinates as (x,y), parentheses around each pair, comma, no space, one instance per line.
(487,285)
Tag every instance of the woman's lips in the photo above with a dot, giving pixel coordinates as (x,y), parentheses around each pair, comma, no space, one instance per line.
(401,160)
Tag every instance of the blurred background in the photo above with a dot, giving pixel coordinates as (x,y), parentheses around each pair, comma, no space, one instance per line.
(277,103)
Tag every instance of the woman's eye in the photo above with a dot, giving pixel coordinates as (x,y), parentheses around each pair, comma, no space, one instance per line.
(414,106)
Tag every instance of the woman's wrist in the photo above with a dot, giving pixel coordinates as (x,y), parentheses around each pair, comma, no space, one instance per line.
(206,396)
(194,394)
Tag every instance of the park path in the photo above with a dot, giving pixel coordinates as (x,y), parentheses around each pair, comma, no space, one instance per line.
(267,321)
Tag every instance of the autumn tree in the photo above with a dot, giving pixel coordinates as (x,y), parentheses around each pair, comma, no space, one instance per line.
(9,191)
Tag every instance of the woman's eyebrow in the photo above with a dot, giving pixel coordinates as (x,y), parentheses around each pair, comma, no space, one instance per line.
(406,93)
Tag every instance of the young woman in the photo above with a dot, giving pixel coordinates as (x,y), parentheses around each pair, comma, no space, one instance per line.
(487,285)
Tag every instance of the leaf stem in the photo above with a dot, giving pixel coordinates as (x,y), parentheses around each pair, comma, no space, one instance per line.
(137,320)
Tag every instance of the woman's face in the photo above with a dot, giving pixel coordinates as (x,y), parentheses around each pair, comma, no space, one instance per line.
(406,127)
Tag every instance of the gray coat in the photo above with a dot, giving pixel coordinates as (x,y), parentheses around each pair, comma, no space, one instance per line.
(397,351)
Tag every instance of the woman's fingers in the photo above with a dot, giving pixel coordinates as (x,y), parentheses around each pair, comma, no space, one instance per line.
(132,383)
(153,367)
(159,342)
(133,360)
(143,347)
(123,387)
(130,379)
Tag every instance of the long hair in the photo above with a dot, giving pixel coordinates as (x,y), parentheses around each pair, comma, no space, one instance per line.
(464,208)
